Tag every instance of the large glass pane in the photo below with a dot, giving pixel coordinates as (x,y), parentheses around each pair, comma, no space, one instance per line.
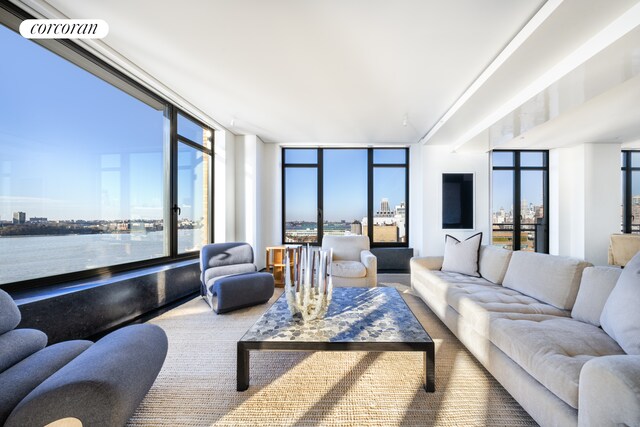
(81,168)
(389,205)
(304,156)
(531,159)
(193,131)
(635,159)
(502,158)
(502,209)
(193,198)
(532,211)
(301,205)
(390,156)
(344,191)
(635,202)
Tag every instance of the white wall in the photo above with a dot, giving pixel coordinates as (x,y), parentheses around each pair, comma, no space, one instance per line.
(224,187)
(248,163)
(437,160)
(270,221)
(416,190)
(585,198)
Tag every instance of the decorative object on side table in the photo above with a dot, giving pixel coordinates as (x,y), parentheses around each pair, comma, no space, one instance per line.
(309,287)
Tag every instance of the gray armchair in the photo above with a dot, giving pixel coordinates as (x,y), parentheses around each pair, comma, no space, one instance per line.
(75,381)
(229,278)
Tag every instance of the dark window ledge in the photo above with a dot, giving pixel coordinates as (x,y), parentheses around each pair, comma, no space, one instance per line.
(38,294)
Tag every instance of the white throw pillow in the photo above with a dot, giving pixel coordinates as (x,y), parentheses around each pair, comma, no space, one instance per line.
(462,257)
(493,263)
(595,287)
(621,317)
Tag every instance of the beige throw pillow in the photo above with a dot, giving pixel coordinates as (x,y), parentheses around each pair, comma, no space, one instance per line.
(595,287)
(462,257)
(621,317)
(493,263)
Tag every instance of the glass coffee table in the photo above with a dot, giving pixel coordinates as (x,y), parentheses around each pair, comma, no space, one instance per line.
(358,319)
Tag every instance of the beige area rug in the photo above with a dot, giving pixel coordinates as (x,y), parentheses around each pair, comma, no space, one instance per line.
(197,385)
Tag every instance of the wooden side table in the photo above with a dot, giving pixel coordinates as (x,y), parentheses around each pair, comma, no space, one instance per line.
(275,262)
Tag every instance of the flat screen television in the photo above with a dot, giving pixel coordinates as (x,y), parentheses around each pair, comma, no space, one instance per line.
(457,200)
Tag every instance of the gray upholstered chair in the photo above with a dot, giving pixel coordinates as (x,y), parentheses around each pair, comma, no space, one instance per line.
(75,382)
(353,262)
(229,278)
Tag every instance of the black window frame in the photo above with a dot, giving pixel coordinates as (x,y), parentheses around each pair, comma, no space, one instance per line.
(517,169)
(628,220)
(11,16)
(370,190)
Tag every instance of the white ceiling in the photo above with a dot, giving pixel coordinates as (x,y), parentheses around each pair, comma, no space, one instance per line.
(349,71)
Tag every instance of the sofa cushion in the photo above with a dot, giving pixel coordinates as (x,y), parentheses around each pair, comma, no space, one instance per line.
(480,304)
(23,377)
(9,313)
(462,257)
(553,351)
(353,269)
(493,263)
(549,278)
(595,287)
(210,275)
(346,248)
(621,317)
(18,344)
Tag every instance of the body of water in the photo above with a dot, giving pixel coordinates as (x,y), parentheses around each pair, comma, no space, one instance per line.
(30,257)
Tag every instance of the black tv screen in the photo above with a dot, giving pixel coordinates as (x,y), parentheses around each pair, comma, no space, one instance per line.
(457,200)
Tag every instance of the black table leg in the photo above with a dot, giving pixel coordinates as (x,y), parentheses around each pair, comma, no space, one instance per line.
(242,368)
(429,370)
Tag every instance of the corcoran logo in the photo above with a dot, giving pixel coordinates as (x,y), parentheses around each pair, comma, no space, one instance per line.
(64,28)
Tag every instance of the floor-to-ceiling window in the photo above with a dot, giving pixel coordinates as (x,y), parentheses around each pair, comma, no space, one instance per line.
(193,189)
(520,200)
(630,191)
(91,165)
(341,191)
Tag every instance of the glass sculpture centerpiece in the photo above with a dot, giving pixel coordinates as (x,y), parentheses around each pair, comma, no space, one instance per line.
(309,286)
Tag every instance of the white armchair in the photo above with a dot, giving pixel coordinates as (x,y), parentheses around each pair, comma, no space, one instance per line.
(353,262)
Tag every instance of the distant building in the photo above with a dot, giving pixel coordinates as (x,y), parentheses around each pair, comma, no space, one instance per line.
(19,217)
(388,225)
(356,228)
(37,220)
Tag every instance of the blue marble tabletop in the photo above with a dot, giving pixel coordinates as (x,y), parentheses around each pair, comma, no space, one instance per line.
(355,315)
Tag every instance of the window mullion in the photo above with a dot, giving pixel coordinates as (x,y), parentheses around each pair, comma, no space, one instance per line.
(320,184)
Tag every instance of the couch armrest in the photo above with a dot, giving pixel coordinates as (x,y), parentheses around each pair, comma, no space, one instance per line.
(103,385)
(429,262)
(609,391)
(371,264)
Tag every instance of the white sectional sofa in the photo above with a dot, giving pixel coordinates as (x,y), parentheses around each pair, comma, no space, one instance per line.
(522,322)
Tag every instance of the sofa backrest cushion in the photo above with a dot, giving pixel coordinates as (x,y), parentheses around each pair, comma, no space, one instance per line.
(493,263)
(9,313)
(220,254)
(595,287)
(462,256)
(346,248)
(620,317)
(548,278)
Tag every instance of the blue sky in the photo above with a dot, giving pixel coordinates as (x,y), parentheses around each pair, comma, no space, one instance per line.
(72,146)
(345,185)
